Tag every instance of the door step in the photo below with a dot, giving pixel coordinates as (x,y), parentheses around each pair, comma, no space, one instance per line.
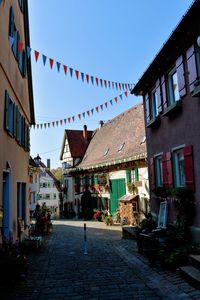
(192,275)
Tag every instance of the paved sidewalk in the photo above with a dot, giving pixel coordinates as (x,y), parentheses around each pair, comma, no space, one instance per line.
(112,269)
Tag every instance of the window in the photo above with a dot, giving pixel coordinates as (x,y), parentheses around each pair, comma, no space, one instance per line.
(9,114)
(106,152)
(158,171)
(121,147)
(172,87)
(154,105)
(179,168)
(47,196)
(54,196)
(21,4)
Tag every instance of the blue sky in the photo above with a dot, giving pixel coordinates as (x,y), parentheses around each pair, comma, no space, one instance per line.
(111,39)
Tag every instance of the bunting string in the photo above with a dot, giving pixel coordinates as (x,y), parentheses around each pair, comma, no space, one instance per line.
(69,71)
(82,115)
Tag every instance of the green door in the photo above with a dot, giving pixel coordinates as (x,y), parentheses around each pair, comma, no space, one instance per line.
(117,190)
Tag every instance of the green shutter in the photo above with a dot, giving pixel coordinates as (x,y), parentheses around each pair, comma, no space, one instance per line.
(15,120)
(11,23)
(128,175)
(6,111)
(136,174)
(17,123)
(95,179)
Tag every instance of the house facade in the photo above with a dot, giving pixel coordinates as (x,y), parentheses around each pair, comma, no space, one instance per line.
(34,184)
(75,143)
(171,93)
(49,190)
(115,161)
(16,116)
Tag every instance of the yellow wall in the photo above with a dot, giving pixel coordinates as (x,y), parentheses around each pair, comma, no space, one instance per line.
(17,87)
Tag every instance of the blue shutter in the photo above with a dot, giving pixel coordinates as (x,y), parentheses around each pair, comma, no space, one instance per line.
(6,111)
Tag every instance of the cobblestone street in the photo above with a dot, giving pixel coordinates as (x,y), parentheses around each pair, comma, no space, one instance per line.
(112,269)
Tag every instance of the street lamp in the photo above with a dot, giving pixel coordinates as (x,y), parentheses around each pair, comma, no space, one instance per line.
(37,160)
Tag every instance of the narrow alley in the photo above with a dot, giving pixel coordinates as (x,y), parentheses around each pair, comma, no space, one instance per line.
(112,269)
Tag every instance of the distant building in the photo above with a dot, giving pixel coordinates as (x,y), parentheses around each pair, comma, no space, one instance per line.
(34,184)
(171,91)
(49,191)
(16,116)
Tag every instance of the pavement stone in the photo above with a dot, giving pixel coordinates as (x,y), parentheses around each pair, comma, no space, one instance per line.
(112,269)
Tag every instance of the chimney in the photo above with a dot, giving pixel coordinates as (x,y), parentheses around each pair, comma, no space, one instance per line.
(48,163)
(101,124)
(85,132)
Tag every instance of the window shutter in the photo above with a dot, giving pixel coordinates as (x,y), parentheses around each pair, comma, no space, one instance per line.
(14,120)
(6,111)
(189,167)
(23,63)
(17,123)
(11,23)
(181,76)
(152,173)
(192,67)
(147,110)
(95,179)
(164,94)
(136,174)
(128,175)
(158,92)
(167,170)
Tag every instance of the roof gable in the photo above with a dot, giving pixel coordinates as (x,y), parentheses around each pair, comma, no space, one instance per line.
(120,138)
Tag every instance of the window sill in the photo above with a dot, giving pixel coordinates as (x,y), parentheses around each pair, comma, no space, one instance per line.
(153,123)
(173,108)
(196,92)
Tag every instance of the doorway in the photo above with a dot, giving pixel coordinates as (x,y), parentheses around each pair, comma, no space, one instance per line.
(6,230)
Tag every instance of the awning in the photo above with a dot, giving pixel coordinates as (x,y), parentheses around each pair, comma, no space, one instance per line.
(129,198)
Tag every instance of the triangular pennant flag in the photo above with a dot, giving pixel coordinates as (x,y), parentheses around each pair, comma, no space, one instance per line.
(120,86)
(97,109)
(92,110)
(101,106)
(73,118)
(38,126)
(11,41)
(20,46)
(79,115)
(111,102)
(116,99)
(45,125)
(126,93)
(82,76)
(71,71)
(88,112)
(77,74)
(44,59)
(28,50)
(65,69)
(41,126)
(129,86)
(61,122)
(105,83)
(57,123)
(126,86)
(53,123)
(116,85)
(51,62)
(87,78)
(113,85)
(109,84)
(65,120)
(83,114)
(68,119)
(97,81)
(92,79)
(106,104)
(120,96)
(58,66)
(49,124)
(101,81)
(36,55)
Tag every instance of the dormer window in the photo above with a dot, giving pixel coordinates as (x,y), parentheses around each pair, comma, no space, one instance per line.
(106,152)
(121,147)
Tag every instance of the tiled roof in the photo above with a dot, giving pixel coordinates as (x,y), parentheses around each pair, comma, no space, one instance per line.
(77,143)
(125,132)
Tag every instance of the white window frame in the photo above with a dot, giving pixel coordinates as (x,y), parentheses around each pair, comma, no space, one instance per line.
(158,170)
(154,104)
(178,180)
(171,93)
